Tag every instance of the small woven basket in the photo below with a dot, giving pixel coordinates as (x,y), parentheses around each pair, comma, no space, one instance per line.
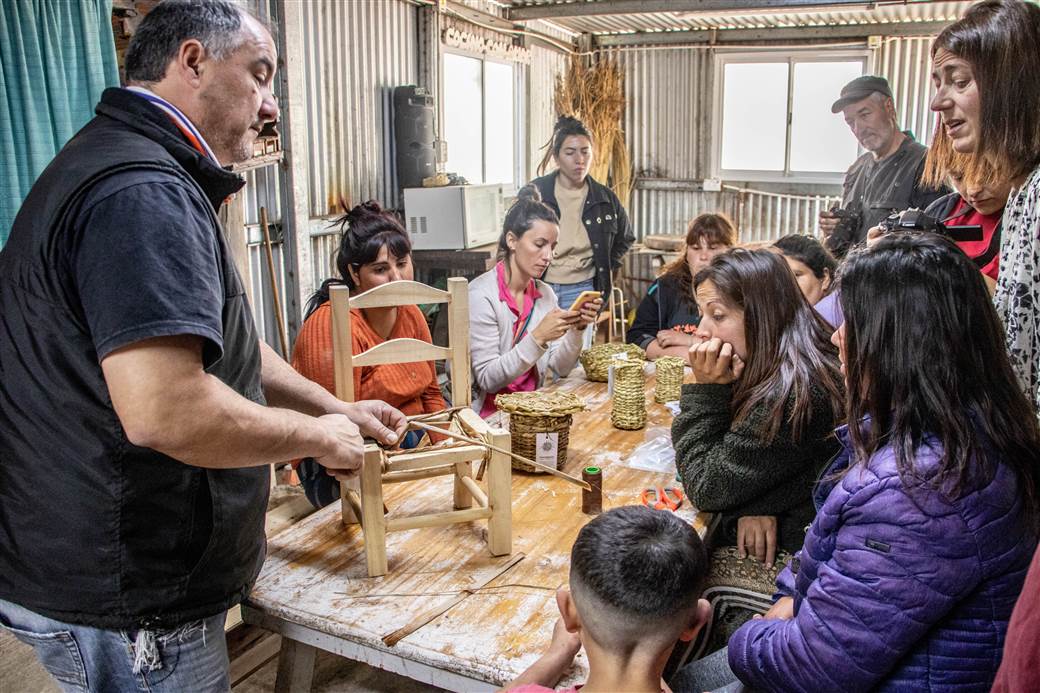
(531,413)
(597,358)
(629,410)
(669,378)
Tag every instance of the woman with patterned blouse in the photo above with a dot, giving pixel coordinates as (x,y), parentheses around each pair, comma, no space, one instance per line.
(984,67)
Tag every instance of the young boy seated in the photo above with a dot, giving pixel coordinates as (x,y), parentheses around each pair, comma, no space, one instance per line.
(635,585)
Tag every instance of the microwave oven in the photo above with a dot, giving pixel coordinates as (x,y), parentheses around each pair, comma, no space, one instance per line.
(453,217)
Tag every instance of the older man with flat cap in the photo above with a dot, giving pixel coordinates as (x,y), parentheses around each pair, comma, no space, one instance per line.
(887,178)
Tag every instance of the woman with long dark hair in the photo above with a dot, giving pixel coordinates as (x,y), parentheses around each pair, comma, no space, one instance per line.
(374,249)
(811,263)
(518,331)
(928,518)
(667,318)
(594,229)
(984,68)
(757,426)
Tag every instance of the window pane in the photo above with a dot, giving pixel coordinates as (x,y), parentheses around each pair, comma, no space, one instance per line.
(498,133)
(820,140)
(463,116)
(754,116)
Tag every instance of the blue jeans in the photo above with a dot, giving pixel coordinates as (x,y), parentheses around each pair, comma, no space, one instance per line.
(190,657)
(565,295)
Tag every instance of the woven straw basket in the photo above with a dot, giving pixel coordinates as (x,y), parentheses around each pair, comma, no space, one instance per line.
(597,358)
(531,413)
(669,378)
(629,410)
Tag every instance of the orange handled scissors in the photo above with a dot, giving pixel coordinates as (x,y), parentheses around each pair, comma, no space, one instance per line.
(662,498)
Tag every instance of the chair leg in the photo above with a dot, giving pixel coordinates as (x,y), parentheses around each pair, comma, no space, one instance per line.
(500,498)
(463,498)
(349,516)
(373,524)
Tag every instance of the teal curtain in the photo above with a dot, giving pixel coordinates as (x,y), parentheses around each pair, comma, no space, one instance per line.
(56,57)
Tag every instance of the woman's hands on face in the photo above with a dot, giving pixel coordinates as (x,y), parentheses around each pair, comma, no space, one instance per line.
(554,325)
(714,362)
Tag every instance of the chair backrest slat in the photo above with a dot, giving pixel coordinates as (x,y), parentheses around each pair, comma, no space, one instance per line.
(399,293)
(401,350)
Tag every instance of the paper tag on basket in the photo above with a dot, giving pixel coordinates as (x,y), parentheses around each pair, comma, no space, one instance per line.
(546,445)
(623,356)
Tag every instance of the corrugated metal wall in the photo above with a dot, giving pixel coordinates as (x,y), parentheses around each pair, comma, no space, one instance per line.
(907,64)
(546,64)
(356,52)
(667,110)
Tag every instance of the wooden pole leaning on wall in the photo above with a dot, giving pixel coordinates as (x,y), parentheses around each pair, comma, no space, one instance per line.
(269,252)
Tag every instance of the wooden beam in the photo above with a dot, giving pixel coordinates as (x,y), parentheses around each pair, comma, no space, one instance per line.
(397,524)
(478,493)
(434,458)
(602,8)
(429,472)
(806,33)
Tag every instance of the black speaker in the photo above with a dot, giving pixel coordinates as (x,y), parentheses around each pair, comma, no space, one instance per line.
(413,134)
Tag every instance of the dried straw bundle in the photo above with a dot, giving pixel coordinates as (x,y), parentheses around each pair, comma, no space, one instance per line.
(595,94)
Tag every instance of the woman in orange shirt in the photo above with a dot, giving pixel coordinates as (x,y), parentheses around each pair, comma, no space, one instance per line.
(374,249)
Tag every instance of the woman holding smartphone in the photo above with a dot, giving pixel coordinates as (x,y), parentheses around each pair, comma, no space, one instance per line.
(518,332)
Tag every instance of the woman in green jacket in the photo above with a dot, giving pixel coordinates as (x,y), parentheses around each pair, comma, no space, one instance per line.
(756,428)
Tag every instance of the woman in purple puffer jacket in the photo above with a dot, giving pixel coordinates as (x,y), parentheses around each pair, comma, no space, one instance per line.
(928,518)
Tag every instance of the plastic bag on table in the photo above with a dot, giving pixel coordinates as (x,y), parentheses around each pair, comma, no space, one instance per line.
(655,455)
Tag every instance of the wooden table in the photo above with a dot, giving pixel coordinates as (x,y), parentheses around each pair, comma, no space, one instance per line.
(315,592)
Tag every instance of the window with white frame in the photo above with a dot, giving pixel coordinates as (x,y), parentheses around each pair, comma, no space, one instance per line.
(773,119)
(480,123)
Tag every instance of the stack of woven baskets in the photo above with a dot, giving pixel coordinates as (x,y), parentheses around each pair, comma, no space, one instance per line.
(532,413)
(596,359)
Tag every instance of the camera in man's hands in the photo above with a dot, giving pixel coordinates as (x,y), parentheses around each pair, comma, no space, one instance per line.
(917,220)
(849,221)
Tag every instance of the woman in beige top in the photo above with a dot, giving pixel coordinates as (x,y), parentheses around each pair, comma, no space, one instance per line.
(595,231)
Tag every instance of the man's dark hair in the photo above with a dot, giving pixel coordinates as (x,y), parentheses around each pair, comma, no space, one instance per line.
(636,575)
(216,24)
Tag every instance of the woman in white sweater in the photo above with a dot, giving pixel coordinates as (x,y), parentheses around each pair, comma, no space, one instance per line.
(517,328)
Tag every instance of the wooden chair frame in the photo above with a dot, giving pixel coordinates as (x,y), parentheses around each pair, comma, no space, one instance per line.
(363,501)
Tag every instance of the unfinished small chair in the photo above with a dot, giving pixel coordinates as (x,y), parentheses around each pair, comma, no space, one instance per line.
(378,469)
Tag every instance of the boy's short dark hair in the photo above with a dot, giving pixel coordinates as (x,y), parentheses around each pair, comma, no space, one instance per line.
(636,575)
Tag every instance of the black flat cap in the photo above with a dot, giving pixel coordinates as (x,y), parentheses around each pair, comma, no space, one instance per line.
(859,89)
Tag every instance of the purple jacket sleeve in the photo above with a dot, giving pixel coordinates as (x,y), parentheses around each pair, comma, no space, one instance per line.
(888,569)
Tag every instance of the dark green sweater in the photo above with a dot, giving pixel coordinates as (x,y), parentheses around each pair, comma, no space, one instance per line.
(727,470)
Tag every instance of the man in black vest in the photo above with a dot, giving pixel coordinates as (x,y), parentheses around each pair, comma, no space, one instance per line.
(139,410)
(887,178)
